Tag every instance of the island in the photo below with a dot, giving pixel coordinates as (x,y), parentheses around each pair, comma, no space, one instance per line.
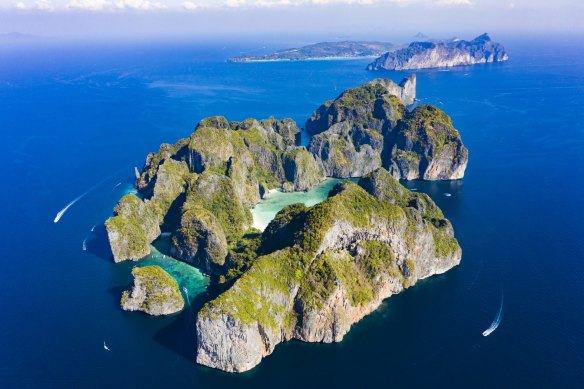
(314,271)
(154,292)
(322,50)
(453,52)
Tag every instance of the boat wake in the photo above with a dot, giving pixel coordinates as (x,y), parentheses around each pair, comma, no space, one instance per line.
(94,187)
(105,347)
(85,244)
(497,320)
(62,211)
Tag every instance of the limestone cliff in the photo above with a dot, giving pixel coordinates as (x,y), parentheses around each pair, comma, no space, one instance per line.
(154,292)
(132,228)
(370,127)
(454,52)
(427,147)
(370,104)
(200,189)
(348,150)
(323,268)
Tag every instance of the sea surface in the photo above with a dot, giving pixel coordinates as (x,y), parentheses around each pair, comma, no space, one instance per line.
(76,118)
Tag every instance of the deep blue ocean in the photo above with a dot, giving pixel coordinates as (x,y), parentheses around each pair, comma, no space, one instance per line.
(76,118)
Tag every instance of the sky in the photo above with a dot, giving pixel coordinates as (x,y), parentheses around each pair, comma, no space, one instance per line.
(326,19)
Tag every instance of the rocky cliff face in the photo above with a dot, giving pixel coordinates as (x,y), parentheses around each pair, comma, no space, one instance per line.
(132,228)
(200,189)
(362,106)
(323,268)
(455,52)
(369,127)
(427,147)
(348,150)
(184,186)
(154,292)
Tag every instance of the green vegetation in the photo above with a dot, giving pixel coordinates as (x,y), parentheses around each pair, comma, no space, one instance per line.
(359,273)
(134,240)
(361,97)
(428,123)
(217,195)
(260,295)
(243,252)
(301,168)
(160,288)
(366,106)
(395,106)
(132,228)
(409,159)
(171,181)
(445,245)
(218,122)
(216,175)
(200,237)
(153,161)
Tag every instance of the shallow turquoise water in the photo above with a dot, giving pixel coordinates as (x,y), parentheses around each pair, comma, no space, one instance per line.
(265,211)
(190,280)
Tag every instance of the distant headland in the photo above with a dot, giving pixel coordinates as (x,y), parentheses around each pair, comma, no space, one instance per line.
(322,50)
(421,54)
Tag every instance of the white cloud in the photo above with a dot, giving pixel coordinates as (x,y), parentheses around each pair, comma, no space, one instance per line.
(453,2)
(44,5)
(90,5)
(190,6)
(236,3)
(143,5)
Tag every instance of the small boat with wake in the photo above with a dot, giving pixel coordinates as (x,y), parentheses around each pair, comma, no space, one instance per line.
(497,320)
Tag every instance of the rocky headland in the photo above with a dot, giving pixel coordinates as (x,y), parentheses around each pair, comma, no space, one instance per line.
(453,52)
(369,127)
(316,270)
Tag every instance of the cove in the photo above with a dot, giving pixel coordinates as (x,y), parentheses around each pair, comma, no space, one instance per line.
(266,209)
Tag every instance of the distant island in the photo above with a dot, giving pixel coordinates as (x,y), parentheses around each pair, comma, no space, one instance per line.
(453,52)
(314,271)
(323,50)
(417,55)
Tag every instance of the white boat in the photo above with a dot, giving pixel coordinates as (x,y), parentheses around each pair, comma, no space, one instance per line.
(105,346)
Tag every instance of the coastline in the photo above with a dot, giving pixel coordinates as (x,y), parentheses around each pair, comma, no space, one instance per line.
(334,58)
